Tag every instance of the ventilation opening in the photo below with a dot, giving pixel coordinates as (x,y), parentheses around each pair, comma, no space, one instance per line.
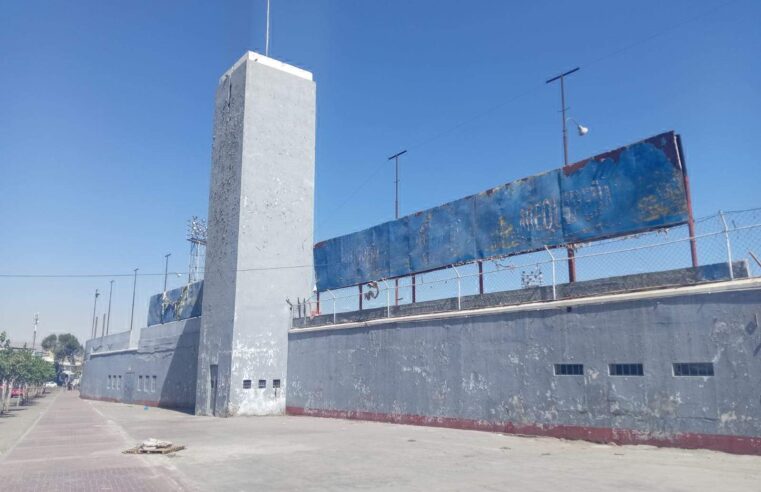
(626,370)
(569,369)
(693,369)
(246,384)
(262,383)
(275,383)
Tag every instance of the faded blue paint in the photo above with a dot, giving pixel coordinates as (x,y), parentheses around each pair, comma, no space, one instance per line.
(628,190)
(176,304)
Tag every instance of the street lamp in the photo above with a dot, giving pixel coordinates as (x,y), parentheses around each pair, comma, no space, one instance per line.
(95,305)
(582,131)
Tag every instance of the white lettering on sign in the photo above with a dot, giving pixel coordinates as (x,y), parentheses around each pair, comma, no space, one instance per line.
(586,202)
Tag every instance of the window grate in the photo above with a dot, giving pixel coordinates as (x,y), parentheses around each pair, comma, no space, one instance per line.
(275,383)
(569,369)
(246,384)
(626,370)
(262,383)
(693,368)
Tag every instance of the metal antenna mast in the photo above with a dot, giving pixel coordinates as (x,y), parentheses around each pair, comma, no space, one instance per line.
(36,321)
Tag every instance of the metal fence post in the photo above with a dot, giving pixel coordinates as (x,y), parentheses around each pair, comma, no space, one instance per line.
(334,304)
(459,287)
(388,299)
(729,245)
(552,257)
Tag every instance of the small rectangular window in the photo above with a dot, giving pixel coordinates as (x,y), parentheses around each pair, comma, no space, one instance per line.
(140,383)
(262,383)
(275,383)
(246,384)
(153,384)
(569,369)
(693,369)
(626,370)
(108,386)
(119,383)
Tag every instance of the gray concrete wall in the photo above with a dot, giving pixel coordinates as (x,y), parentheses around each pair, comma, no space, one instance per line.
(260,219)
(169,352)
(496,371)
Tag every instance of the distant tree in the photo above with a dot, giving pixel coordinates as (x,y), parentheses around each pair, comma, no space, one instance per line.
(64,346)
(68,347)
(20,369)
(50,342)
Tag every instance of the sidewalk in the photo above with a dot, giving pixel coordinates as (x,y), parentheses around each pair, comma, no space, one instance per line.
(73,447)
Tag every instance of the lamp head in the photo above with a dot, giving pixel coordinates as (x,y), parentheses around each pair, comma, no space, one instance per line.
(583,130)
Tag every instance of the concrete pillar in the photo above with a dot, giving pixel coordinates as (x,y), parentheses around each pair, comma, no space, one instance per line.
(259,248)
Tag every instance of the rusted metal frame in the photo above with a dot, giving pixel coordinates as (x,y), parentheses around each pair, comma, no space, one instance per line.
(318,302)
(688,198)
(360,297)
(414,290)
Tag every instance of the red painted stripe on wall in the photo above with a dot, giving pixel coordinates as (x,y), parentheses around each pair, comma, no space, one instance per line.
(728,444)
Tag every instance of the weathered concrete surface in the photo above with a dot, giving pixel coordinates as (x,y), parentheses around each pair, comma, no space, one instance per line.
(611,285)
(494,371)
(169,352)
(302,453)
(260,219)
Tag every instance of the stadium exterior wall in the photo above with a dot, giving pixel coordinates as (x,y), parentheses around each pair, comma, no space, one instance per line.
(495,369)
(167,352)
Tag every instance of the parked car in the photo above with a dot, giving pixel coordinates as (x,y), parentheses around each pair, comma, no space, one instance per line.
(51,384)
(17,392)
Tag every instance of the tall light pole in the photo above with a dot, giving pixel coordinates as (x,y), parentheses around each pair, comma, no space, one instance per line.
(166,268)
(34,338)
(110,291)
(267,40)
(134,286)
(94,306)
(582,131)
(396,157)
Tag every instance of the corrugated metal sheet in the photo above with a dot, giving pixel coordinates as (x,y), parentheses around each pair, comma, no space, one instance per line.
(628,190)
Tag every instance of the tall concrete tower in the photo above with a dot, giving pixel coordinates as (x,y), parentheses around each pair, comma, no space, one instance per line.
(259,246)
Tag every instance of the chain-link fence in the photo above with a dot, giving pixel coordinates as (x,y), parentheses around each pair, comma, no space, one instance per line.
(725,237)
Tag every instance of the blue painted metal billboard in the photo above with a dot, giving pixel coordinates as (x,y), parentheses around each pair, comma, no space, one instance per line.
(632,189)
(176,304)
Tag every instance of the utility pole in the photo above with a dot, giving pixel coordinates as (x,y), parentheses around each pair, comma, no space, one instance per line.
(267,40)
(561,77)
(95,305)
(134,286)
(166,268)
(103,326)
(396,157)
(110,291)
(34,338)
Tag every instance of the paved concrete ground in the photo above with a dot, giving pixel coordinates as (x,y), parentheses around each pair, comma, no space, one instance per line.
(18,419)
(80,441)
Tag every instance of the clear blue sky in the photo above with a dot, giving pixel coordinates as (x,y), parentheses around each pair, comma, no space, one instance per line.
(106,114)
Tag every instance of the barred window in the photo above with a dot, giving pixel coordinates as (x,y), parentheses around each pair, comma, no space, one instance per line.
(693,369)
(569,369)
(626,370)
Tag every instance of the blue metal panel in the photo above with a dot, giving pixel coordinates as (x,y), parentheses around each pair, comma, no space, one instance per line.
(176,304)
(631,189)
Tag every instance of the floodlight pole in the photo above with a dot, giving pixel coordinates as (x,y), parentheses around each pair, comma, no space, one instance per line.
(94,306)
(267,40)
(166,268)
(110,291)
(132,315)
(561,77)
(395,157)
